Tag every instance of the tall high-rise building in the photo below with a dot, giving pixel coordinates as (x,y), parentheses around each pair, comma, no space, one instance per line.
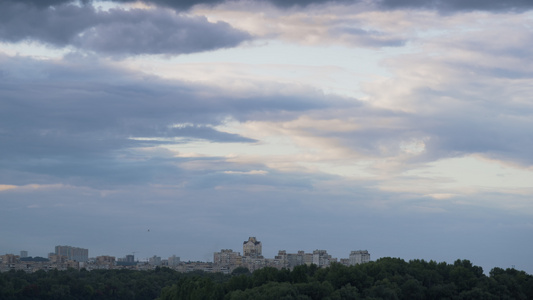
(359,257)
(252,247)
(23,254)
(154,260)
(321,258)
(73,253)
(173,261)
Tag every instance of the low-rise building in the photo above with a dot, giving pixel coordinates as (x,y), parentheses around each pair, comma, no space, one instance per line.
(227,258)
(105,262)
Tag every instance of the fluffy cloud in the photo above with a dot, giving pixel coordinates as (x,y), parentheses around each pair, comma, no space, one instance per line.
(338,24)
(467,91)
(120,32)
(117,31)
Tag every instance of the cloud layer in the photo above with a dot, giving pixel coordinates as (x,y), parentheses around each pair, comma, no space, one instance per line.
(252,132)
(60,113)
(448,5)
(117,31)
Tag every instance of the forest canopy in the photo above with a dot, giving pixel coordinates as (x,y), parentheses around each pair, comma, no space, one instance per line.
(386,278)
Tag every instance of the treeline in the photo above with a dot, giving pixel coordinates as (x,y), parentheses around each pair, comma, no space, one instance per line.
(95,284)
(386,278)
(35,259)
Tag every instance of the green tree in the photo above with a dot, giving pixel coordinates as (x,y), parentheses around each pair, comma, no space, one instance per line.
(347,292)
(241,271)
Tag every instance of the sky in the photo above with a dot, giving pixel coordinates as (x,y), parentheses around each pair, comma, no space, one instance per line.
(403,127)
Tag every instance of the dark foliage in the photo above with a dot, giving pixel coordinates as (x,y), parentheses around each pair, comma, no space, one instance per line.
(386,278)
(96,284)
(36,259)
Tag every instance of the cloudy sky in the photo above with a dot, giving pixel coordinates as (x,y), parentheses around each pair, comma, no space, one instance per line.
(163,127)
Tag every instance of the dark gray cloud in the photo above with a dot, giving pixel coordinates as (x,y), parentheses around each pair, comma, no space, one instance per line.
(499,131)
(181,4)
(280,3)
(46,3)
(495,135)
(441,5)
(115,32)
(157,32)
(459,5)
(119,32)
(75,118)
(57,26)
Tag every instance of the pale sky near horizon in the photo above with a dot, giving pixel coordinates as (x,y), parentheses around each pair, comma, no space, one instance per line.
(400,127)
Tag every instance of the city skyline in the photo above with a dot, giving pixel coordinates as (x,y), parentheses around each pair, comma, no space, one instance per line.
(180,127)
(224,261)
(73,252)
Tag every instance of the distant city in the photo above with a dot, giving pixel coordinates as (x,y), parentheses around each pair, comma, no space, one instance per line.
(225,261)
